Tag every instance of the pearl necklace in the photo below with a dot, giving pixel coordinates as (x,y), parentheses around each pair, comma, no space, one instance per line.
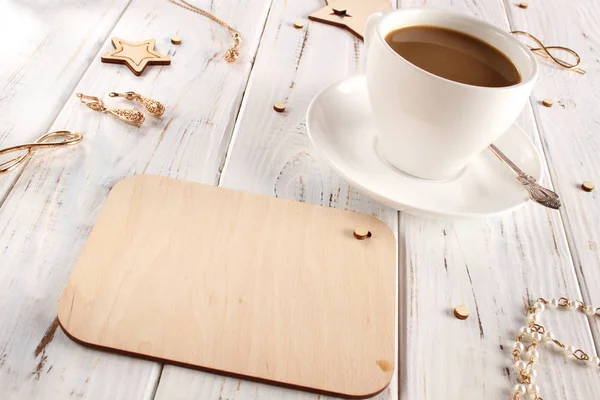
(532,335)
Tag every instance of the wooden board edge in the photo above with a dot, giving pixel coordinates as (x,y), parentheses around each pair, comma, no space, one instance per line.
(98,347)
(132,180)
(67,299)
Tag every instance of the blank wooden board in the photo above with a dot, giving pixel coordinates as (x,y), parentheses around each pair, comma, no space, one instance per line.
(239,284)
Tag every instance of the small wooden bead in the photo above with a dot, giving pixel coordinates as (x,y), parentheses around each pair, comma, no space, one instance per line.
(588,186)
(279,107)
(461,312)
(176,40)
(299,24)
(523,4)
(547,103)
(361,233)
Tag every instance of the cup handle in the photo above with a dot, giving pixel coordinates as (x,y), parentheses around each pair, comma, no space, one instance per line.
(370,26)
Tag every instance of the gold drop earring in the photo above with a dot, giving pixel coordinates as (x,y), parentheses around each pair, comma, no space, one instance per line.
(153,107)
(133,117)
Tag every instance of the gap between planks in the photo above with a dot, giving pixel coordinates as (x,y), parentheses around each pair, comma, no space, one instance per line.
(226,154)
(561,215)
(59,110)
(243,101)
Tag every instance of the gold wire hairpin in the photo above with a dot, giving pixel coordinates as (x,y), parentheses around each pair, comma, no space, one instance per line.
(69,138)
(544,51)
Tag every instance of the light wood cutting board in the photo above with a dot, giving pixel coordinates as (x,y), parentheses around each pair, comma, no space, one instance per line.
(239,284)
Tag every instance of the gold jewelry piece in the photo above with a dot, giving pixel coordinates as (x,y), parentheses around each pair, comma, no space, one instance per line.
(525,351)
(69,138)
(133,117)
(233,53)
(153,107)
(543,51)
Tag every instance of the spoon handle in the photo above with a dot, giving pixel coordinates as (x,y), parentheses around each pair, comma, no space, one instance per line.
(538,193)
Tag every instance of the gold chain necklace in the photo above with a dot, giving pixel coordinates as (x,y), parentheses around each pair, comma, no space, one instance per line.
(533,335)
(233,53)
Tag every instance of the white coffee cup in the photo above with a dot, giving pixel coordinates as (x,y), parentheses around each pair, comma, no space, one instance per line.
(428,126)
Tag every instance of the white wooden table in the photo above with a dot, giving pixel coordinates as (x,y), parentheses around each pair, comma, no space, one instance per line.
(220,129)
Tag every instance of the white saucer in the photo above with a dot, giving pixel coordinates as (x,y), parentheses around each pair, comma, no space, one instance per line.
(340,125)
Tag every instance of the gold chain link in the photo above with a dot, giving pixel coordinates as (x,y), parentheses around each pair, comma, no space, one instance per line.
(233,53)
(524,375)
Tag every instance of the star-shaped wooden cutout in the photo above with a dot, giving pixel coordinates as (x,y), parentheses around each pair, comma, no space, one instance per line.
(340,13)
(350,14)
(136,55)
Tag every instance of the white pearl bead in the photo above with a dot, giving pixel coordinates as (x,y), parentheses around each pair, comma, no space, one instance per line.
(589,310)
(538,337)
(570,349)
(519,346)
(540,306)
(533,374)
(525,329)
(594,361)
(533,388)
(553,303)
(533,353)
(520,365)
(572,305)
(549,336)
(520,389)
(531,396)
(533,317)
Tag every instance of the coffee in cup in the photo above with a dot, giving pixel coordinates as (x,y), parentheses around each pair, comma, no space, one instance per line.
(454,55)
(442,86)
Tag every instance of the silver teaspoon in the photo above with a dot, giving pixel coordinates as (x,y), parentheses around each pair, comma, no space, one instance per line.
(538,193)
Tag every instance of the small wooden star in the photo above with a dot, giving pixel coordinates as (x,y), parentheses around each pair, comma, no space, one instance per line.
(350,14)
(136,55)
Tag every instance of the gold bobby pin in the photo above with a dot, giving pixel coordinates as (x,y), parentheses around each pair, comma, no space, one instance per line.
(543,51)
(69,138)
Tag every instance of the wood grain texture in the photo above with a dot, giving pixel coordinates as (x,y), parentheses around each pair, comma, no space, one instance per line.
(493,267)
(570,128)
(47,216)
(271,154)
(238,283)
(490,266)
(43,59)
(45,64)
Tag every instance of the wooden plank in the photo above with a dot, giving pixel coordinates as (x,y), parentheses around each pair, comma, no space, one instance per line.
(494,267)
(44,58)
(46,218)
(271,155)
(46,61)
(229,281)
(491,266)
(569,128)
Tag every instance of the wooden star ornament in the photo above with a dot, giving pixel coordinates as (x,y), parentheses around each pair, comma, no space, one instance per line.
(136,55)
(350,14)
